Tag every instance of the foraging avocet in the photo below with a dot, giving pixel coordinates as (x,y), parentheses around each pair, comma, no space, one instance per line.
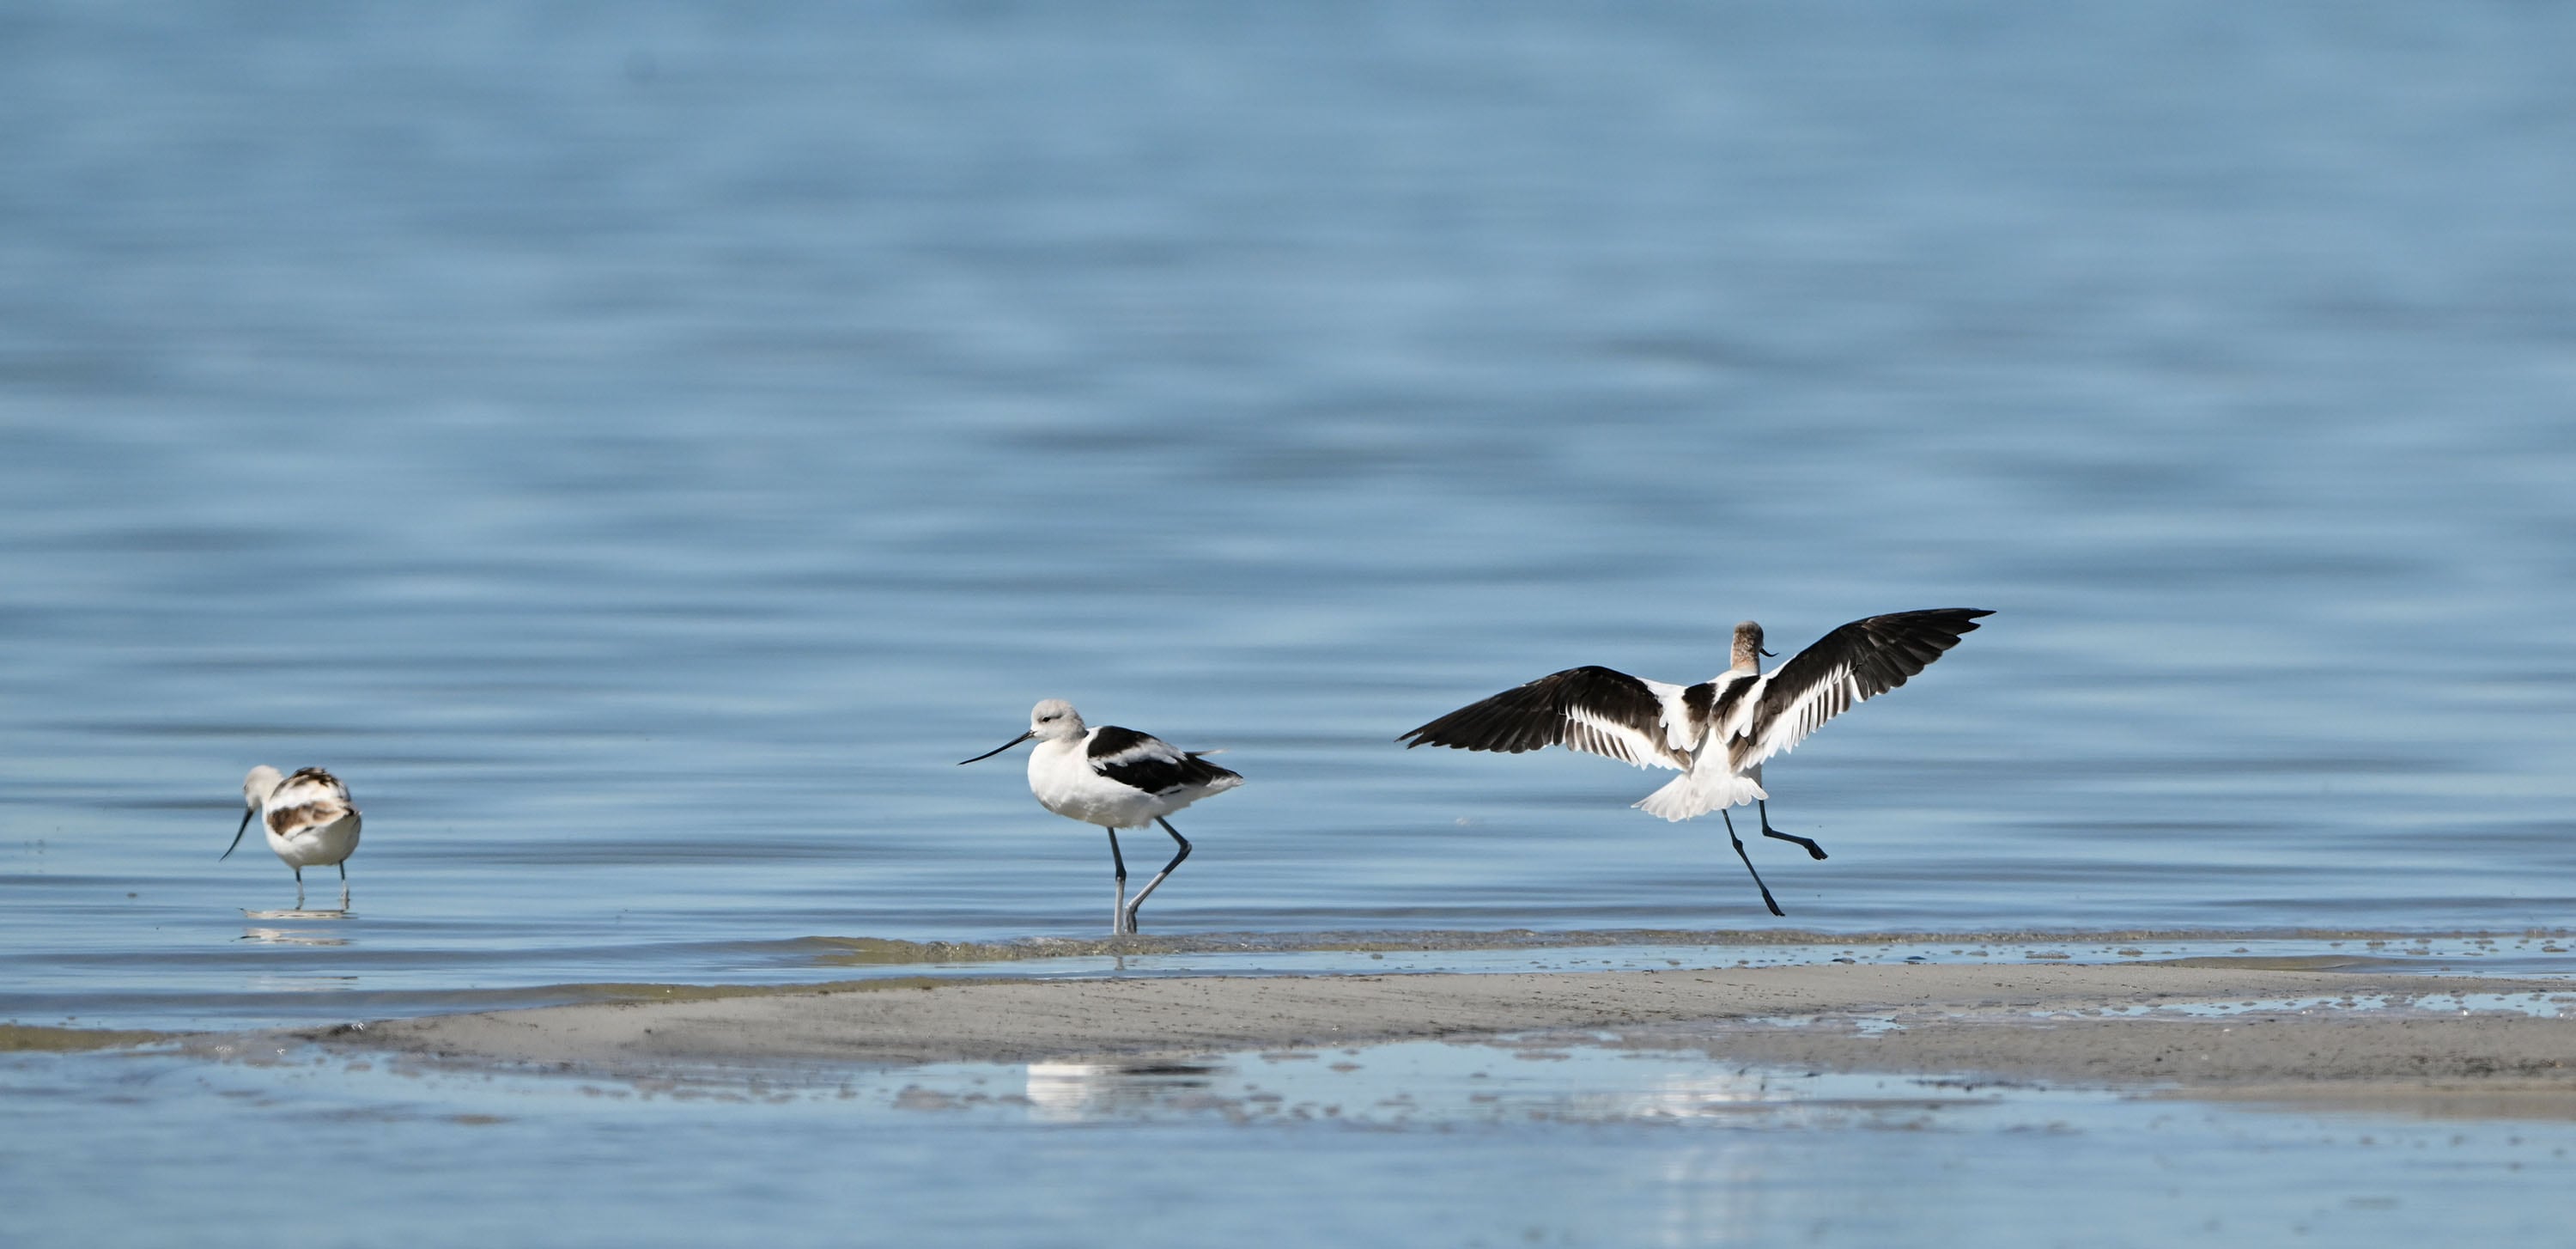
(1718,732)
(1116,778)
(308,820)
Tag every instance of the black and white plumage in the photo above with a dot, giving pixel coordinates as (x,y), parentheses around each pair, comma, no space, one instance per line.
(1716,733)
(1116,778)
(308,818)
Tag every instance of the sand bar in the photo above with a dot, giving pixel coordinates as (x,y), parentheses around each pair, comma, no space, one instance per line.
(2037,1022)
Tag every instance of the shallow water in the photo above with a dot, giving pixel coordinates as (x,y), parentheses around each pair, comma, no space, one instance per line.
(1425,1143)
(642,452)
(643,449)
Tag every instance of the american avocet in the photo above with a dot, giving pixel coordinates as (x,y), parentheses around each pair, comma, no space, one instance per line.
(308,820)
(1718,732)
(1116,778)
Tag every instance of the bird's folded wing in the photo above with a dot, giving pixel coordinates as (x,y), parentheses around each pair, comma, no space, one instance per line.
(312,798)
(288,821)
(1142,761)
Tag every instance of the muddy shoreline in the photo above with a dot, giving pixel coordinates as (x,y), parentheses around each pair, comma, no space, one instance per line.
(2283,1034)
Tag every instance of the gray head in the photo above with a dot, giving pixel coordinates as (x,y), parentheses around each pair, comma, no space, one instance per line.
(1050,721)
(1054,720)
(1748,647)
(256,787)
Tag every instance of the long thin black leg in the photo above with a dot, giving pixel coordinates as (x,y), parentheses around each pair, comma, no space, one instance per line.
(1813,849)
(1118,909)
(1148,890)
(1748,864)
(299,888)
(344,884)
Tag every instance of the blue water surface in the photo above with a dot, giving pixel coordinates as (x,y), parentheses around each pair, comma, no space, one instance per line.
(643,448)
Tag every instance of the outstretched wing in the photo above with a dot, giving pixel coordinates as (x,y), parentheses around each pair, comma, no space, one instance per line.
(1595,710)
(312,798)
(1856,662)
(1144,761)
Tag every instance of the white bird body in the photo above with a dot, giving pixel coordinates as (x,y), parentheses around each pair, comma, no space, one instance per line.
(1717,733)
(1115,778)
(307,818)
(1070,779)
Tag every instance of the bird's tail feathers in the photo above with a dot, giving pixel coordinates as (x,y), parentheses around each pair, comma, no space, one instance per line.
(1693,793)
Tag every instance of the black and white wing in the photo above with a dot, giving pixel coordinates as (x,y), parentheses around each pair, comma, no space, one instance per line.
(1856,662)
(312,798)
(1595,710)
(1144,761)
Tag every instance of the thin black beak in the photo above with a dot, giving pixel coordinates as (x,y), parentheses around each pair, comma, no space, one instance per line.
(1766,654)
(237,835)
(999,749)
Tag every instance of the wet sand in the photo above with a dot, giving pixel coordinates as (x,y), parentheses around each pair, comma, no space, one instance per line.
(2028,1023)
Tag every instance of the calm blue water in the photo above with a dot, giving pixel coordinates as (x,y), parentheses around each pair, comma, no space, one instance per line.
(641,450)
(642,447)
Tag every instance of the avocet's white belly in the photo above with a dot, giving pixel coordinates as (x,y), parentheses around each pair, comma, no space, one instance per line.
(321,845)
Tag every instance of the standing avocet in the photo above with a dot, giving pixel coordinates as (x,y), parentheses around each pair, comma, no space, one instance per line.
(1116,778)
(1718,732)
(308,820)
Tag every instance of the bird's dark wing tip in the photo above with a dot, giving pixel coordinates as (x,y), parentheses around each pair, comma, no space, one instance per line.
(1533,716)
